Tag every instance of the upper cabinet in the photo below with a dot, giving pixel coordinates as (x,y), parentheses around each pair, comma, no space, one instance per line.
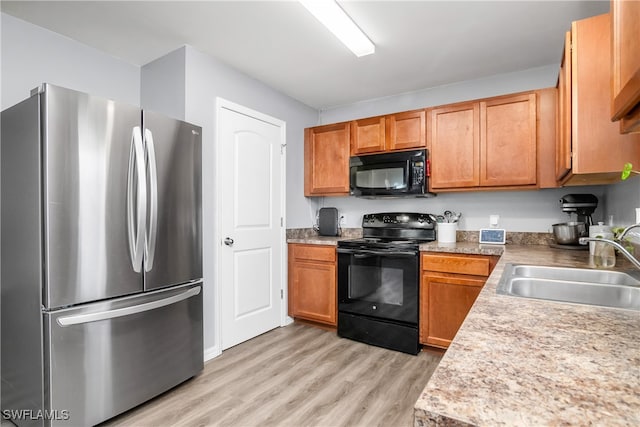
(625,61)
(563,147)
(368,136)
(326,160)
(591,150)
(454,146)
(401,131)
(406,130)
(487,144)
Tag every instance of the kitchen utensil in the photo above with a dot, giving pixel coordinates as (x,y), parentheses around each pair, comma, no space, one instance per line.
(451,216)
(568,233)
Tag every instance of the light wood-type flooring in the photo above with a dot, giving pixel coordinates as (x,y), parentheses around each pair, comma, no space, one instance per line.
(298,375)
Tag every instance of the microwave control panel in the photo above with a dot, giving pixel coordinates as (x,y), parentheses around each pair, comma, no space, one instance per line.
(418,174)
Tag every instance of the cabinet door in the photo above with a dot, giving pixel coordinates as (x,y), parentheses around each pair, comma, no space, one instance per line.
(454,140)
(445,301)
(313,291)
(367,136)
(625,79)
(508,141)
(547,117)
(406,130)
(563,147)
(326,160)
(598,147)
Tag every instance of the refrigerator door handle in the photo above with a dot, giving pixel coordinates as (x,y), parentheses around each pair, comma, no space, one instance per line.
(136,216)
(152,230)
(126,311)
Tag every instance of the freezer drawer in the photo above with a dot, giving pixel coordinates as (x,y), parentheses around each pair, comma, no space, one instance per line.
(105,358)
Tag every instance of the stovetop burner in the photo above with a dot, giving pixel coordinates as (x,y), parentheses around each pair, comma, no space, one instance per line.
(394,230)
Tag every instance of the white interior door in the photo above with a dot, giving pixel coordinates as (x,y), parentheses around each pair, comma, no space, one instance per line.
(250,232)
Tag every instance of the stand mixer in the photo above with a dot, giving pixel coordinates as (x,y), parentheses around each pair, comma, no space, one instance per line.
(567,234)
(581,204)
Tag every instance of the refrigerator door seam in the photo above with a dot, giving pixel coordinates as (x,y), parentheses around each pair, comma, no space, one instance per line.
(127,311)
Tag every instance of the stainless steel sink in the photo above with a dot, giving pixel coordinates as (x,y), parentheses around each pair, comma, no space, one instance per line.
(576,285)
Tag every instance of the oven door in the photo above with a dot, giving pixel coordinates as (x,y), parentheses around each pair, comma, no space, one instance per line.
(379,283)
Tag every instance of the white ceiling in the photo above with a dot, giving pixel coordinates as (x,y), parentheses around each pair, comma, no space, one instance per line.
(419,44)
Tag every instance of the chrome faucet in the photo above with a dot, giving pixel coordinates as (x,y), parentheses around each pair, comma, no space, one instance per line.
(616,244)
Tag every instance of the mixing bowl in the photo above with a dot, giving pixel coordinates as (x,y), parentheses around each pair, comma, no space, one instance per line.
(568,233)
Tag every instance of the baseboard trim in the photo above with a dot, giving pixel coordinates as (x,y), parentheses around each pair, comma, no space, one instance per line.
(211,353)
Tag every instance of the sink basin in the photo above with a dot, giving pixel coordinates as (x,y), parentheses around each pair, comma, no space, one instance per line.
(575,285)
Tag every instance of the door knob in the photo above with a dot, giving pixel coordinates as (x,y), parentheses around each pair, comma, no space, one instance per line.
(228,241)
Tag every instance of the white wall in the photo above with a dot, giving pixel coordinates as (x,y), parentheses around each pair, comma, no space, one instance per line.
(163,85)
(518,210)
(32,55)
(534,78)
(622,200)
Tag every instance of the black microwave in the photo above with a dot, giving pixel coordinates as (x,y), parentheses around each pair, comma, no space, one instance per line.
(396,174)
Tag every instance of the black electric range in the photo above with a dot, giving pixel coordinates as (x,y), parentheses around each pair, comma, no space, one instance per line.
(378,280)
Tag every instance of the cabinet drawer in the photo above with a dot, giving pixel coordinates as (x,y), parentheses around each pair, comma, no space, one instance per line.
(313,252)
(460,264)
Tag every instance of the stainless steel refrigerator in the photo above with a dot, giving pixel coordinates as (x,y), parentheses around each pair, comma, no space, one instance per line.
(101,261)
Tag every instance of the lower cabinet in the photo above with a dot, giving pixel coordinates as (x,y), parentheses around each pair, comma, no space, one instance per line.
(312,283)
(449,285)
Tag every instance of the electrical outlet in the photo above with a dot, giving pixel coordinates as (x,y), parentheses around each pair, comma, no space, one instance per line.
(493,220)
(343,220)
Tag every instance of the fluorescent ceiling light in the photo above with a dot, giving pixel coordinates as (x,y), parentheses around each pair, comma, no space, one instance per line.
(338,22)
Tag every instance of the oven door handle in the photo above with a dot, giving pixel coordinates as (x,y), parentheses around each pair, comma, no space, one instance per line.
(365,253)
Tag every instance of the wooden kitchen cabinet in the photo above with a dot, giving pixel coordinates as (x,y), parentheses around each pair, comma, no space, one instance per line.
(326,160)
(591,149)
(368,136)
(625,64)
(563,145)
(406,130)
(454,146)
(393,132)
(449,285)
(312,283)
(490,143)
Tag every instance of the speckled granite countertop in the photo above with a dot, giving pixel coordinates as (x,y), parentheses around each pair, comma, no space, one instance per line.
(519,361)
(310,237)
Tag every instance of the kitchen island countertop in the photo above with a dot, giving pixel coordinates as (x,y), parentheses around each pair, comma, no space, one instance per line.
(520,361)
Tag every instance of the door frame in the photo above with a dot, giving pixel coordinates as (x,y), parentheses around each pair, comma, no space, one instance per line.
(222,103)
